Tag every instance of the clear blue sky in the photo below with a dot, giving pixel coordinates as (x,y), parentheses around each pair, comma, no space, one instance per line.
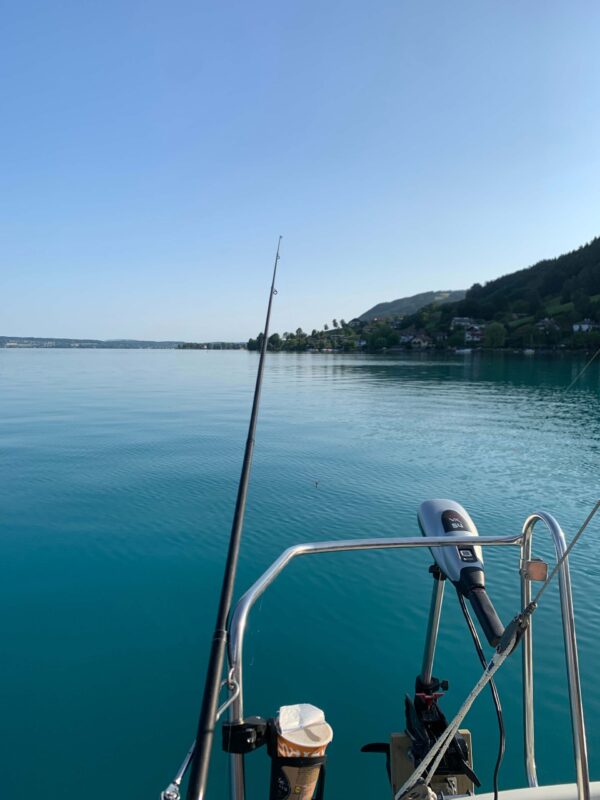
(151,153)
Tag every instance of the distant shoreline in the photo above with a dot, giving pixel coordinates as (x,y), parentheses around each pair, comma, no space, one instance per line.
(47,343)
(57,343)
(388,354)
(527,353)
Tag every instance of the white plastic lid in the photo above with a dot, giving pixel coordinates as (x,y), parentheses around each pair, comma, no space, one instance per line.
(304,724)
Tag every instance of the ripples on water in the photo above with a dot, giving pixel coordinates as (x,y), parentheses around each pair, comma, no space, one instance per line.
(119,472)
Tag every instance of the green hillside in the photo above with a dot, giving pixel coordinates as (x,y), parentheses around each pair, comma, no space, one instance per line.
(551,284)
(553,304)
(540,306)
(410,305)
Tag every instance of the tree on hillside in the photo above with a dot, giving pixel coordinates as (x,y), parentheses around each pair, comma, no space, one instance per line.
(275,341)
(475,291)
(457,338)
(567,292)
(495,335)
(381,336)
(520,307)
(522,337)
(335,323)
(582,303)
(535,301)
(588,341)
(326,327)
(255,344)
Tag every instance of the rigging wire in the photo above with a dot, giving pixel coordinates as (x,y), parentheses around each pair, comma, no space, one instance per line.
(565,555)
(493,690)
(576,378)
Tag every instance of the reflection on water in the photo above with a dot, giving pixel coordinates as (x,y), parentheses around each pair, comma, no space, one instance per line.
(119,471)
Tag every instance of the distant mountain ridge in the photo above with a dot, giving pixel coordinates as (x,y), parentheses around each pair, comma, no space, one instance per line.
(410,305)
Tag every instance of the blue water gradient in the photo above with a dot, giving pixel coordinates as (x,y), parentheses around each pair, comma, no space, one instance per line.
(118,477)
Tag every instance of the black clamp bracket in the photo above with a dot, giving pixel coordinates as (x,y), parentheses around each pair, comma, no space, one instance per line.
(437,573)
(244,736)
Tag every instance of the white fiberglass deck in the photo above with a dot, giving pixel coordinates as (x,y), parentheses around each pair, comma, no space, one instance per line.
(566,791)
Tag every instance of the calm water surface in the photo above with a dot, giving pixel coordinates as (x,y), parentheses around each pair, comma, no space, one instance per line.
(118,478)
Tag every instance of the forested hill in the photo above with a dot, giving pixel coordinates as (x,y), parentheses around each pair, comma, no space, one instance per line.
(570,278)
(553,304)
(410,305)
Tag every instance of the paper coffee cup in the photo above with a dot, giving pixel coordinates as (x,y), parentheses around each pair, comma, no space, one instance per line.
(292,750)
(302,731)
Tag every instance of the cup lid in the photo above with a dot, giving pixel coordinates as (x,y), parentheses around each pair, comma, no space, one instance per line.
(304,724)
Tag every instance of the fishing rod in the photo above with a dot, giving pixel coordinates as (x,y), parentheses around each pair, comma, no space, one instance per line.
(212,685)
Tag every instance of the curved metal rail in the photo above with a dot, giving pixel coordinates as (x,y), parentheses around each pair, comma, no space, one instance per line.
(239,619)
(571,657)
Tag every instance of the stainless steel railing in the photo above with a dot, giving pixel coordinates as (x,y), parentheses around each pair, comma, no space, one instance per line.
(571,656)
(239,619)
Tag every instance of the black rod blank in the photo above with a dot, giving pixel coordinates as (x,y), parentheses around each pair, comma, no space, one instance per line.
(207,721)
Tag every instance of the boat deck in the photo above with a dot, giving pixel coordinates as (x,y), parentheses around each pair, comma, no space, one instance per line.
(566,791)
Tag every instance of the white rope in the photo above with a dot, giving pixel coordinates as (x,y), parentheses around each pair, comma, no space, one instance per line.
(438,750)
(496,662)
(421,792)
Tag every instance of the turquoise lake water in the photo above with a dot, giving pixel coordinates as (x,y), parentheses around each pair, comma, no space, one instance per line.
(118,478)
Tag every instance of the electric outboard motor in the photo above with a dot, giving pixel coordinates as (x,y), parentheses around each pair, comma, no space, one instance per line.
(463,565)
